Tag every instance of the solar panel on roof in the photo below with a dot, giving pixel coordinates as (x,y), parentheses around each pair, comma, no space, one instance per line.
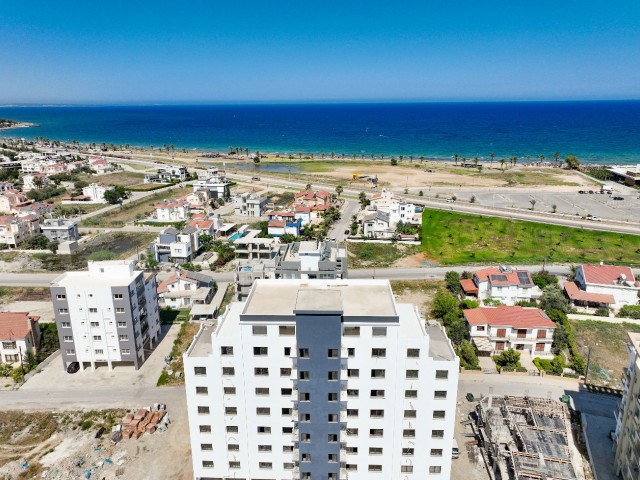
(523,278)
(499,278)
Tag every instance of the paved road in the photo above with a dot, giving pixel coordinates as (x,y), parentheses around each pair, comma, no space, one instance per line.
(349,209)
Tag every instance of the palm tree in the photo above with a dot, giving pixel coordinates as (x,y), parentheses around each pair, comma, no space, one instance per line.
(339,190)
(533,203)
(502,164)
(455,158)
(492,156)
(332,155)
(299,155)
(556,156)
(307,186)
(541,157)
(475,161)
(422,158)
(354,156)
(411,158)
(401,157)
(382,156)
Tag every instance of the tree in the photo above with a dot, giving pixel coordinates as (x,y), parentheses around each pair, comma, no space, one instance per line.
(364,201)
(36,242)
(394,162)
(554,208)
(560,340)
(468,355)
(443,303)
(472,199)
(458,331)
(115,195)
(572,162)
(557,365)
(420,193)
(533,203)
(455,158)
(556,156)
(339,190)
(553,299)
(502,164)
(452,279)
(287,238)
(508,358)
(542,279)
(307,186)
(492,156)
(53,246)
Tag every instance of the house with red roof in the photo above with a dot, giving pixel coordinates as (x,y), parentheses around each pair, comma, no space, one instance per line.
(54,168)
(505,284)
(19,334)
(309,198)
(603,285)
(14,230)
(172,211)
(10,200)
(34,181)
(283,222)
(185,289)
(101,166)
(495,329)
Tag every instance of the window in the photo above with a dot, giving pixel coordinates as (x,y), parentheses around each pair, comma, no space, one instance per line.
(263,411)
(304,375)
(233,447)
(332,375)
(378,352)
(379,331)
(438,414)
(353,432)
(61,297)
(264,429)
(234,464)
(410,394)
(375,468)
(63,311)
(377,393)
(119,310)
(480,328)
(442,374)
(409,433)
(375,451)
(332,438)
(410,414)
(353,393)
(285,372)
(229,390)
(332,457)
(97,338)
(286,412)
(306,457)
(303,352)
(230,410)
(305,437)
(351,352)
(202,390)
(287,430)
(285,392)
(305,397)
(205,447)
(440,394)
(117,296)
(377,373)
(93,310)
(122,324)
(266,465)
(332,418)
(232,429)
(68,338)
(436,452)
(200,370)
(262,391)
(123,338)
(407,451)
(412,374)
(203,410)
(125,351)
(287,330)
(260,351)
(65,324)
(351,331)
(377,413)
(207,464)
(226,350)
(259,329)
(305,417)
(435,469)
(99,351)
(264,448)
(228,371)
(70,351)
(437,433)
(406,468)
(287,466)
(332,353)
(352,412)
(501,332)
(542,334)
(353,373)
(205,428)
(261,371)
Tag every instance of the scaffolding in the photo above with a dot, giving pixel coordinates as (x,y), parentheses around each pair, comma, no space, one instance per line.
(527,438)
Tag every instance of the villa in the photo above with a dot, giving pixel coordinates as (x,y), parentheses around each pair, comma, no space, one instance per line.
(504,284)
(608,286)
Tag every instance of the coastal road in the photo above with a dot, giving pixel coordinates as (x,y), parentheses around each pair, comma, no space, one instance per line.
(422,273)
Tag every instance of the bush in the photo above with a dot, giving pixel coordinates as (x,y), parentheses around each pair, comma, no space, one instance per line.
(553,299)
(443,303)
(542,279)
(85,424)
(468,304)
(163,379)
(602,312)
(490,302)
(508,358)
(630,311)
(101,255)
(468,356)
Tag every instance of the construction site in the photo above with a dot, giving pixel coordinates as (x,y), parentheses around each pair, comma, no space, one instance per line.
(524,438)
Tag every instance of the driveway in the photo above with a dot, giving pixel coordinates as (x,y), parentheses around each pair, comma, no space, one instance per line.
(54,377)
(526,361)
(487,365)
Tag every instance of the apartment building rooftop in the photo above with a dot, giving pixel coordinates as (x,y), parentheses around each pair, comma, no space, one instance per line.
(109,272)
(635,341)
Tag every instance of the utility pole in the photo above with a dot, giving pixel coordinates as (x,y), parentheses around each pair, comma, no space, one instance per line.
(21,362)
(586,375)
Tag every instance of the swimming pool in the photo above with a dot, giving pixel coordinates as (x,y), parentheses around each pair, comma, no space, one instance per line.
(235,236)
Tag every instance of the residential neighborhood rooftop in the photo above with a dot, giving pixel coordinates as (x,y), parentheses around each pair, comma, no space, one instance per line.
(508,316)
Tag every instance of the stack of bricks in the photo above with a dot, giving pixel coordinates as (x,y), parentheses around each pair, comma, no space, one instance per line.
(134,425)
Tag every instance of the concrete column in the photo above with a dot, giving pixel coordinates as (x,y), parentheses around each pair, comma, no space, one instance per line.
(110,365)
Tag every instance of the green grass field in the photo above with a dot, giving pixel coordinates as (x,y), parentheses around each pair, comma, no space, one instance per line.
(456,238)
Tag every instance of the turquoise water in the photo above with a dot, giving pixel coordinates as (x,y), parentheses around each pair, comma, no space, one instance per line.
(235,236)
(603,132)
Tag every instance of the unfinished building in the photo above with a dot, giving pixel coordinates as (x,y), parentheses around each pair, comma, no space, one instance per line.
(527,438)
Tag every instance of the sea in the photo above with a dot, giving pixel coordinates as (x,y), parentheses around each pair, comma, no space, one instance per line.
(600,132)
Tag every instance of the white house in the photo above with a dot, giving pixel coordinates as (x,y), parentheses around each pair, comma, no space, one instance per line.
(303,214)
(377,225)
(495,329)
(19,334)
(101,166)
(603,285)
(505,284)
(34,181)
(95,191)
(403,212)
(172,211)
(185,289)
(249,204)
(326,379)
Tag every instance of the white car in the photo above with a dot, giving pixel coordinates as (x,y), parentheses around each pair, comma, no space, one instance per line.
(594,219)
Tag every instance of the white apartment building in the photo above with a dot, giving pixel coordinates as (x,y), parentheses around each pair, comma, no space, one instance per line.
(503,283)
(95,191)
(172,211)
(107,315)
(321,379)
(215,183)
(249,204)
(15,230)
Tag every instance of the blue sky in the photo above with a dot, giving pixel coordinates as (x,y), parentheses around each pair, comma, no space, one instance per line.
(67,51)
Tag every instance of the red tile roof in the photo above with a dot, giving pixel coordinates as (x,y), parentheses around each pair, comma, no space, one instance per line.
(504,316)
(15,325)
(468,286)
(606,274)
(494,275)
(276,223)
(201,224)
(302,209)
(322,193)
(575,294)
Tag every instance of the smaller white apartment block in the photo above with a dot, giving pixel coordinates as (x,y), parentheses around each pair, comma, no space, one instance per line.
(321,379)
(95,191)
(106,315)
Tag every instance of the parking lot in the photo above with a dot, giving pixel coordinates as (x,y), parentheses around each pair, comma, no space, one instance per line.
(54,377)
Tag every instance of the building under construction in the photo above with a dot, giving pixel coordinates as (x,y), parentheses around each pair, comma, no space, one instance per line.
(527,438)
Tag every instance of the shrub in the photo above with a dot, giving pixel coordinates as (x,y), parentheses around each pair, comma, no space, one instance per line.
(467,304)
(85,425)
(542,279)
(490,302)
(443,303)
(468,355)
(163,379)
(602,312)
(630,311)
(508,358)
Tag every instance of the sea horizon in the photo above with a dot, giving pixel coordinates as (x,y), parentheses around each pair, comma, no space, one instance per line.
(596,131)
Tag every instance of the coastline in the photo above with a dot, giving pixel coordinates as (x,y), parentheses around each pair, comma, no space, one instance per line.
(19,125)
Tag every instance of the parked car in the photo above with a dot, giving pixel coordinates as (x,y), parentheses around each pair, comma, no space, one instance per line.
(73,367)
(618,198)
(593,218)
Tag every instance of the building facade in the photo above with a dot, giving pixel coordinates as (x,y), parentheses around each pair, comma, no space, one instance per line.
(249,204)
(608,283)
(107,315)
(60,230)
(505,284)
(321,380)
(95,191)
(19,335)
